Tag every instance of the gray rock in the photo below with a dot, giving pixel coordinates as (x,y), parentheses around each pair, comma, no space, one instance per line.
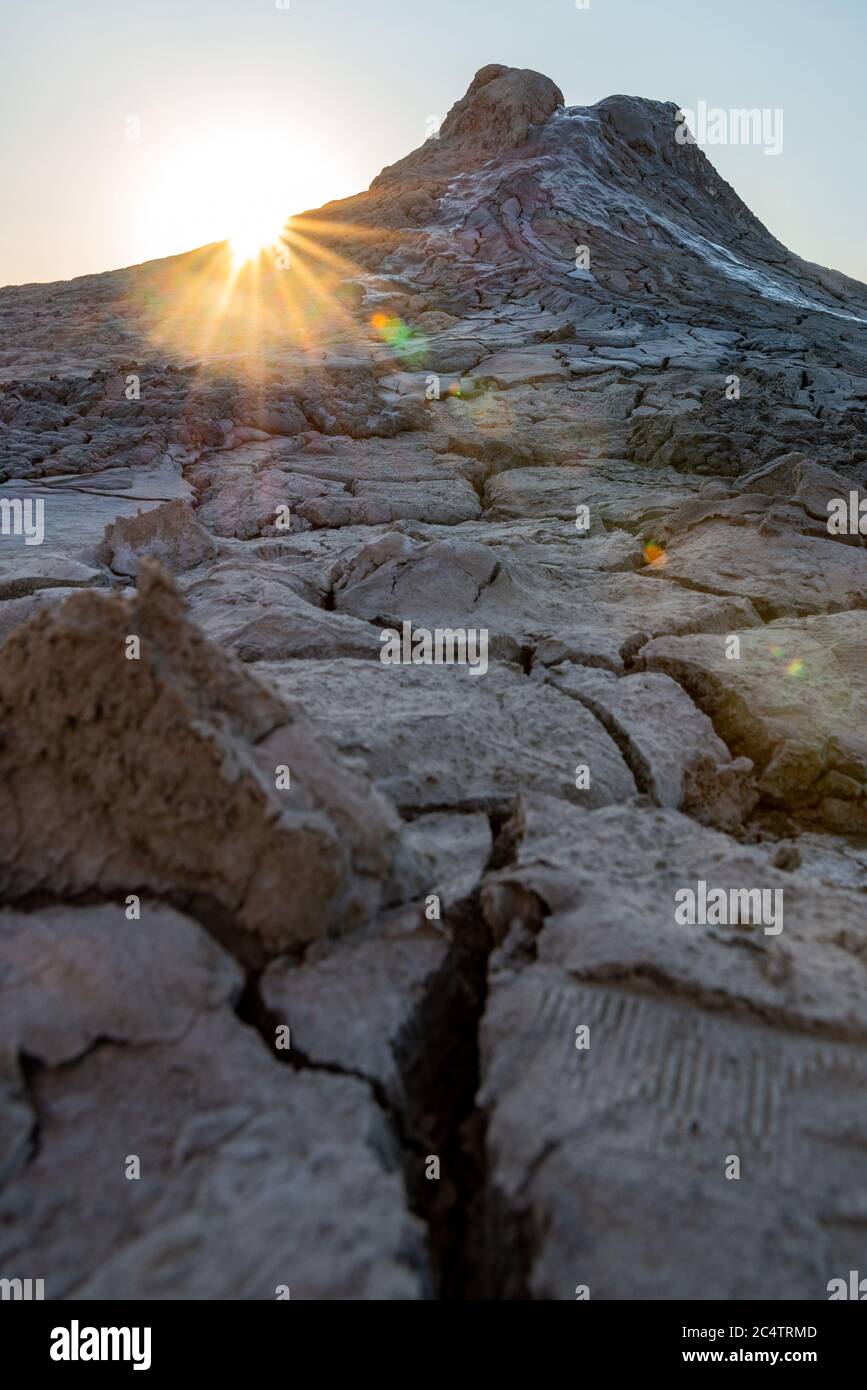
(171,533)
(799,479)
(458,848)
(245,504)
(393,976)
(792,703)
(616,492)
(241,1159)
(782,575)
(75,520)
(607,1168)
(27,569)
(261,609)
(533,601)
(429,741)
(444,503)
(806,975)
(669,744)
(596,1155)
(506,369)
(148,755)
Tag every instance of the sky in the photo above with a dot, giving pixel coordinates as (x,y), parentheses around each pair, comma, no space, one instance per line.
(133,131)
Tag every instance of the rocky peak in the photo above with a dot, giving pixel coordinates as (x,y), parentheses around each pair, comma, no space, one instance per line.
(498,113)
(500,107)
(497,205)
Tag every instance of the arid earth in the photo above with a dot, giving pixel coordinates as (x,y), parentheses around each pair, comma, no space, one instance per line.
(511,1073)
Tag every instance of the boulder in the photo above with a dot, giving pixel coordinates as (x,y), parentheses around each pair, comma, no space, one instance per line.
(668,743)
(160,773)
(251,1175)
(792,702)
(171,533)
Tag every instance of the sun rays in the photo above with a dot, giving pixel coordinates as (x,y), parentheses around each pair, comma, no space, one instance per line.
(261,281)
(269,289)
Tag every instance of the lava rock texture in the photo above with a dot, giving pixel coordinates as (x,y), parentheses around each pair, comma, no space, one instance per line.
(375,968)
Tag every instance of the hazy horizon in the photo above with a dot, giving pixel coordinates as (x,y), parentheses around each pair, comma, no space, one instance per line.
(156,152)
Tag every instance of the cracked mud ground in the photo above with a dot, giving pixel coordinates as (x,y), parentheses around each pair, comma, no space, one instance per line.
(263,908)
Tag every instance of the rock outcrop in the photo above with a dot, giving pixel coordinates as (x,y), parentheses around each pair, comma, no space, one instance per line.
(138,758)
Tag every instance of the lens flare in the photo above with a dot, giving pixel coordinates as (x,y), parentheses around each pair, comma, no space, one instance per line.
(794,665)
(654,554)
(406,342)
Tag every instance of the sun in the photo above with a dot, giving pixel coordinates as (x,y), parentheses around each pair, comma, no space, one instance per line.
(256,228)
(235,205)
(238,184)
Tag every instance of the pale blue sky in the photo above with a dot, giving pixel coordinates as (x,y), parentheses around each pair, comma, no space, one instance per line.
(323,94)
